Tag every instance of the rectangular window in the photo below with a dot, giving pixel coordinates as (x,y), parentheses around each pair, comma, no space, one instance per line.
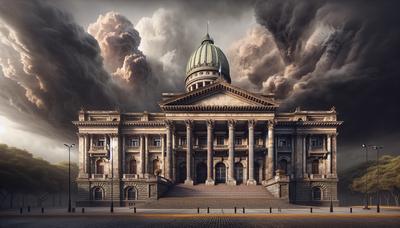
(133,142)
(284,143)
(202,141)
(182,141)
(220,140)
(238,141)
(316,142)
(101,142)
(257,141)
(157,141)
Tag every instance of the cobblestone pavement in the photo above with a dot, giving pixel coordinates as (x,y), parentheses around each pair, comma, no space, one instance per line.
(208,221)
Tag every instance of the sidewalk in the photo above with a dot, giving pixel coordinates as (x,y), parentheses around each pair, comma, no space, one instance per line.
(125,211)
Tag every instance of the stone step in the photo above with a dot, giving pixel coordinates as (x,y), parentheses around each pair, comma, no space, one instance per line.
(219,191)
(214,203)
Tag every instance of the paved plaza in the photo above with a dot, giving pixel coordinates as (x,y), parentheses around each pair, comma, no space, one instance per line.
(217,217)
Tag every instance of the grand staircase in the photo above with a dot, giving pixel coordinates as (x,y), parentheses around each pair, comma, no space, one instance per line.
(218,196)
(219,191)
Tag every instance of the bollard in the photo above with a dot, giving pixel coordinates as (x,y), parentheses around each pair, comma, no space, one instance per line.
(270,210)
(208,210)
(351,210)
(20,210)
(244,211)
(310,209)
(83,210)
(235,210)
(42,210)
(279,209)
(73,210)
(29,208)
(134,210)
(198,210)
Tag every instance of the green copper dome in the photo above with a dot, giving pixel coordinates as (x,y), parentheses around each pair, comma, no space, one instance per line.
(207,62)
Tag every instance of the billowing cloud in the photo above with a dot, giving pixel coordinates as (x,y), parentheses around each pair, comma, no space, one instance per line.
(119,42)
(318,54)
(53,64)
(166,38)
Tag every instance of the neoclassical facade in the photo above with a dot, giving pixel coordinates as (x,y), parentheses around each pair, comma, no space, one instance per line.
(214,133)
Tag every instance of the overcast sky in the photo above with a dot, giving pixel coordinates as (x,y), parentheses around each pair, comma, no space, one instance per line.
(60,56)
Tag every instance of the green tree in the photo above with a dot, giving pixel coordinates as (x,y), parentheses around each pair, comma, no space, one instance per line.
(21,173)
(389,178)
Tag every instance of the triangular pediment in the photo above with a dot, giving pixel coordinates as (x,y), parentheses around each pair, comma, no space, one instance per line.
(220,95)
(222,98)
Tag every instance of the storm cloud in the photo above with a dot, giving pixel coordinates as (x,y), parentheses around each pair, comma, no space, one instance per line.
(314,54)
(317,54)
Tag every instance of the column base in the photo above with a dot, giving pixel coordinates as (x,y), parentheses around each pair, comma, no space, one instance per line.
(210,182)
(188,182)
(231,182)
(251,182)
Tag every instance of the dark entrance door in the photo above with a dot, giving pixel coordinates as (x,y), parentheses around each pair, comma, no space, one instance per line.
(220,173)
(257,172)
(201,172)
(239,172)
(181,173)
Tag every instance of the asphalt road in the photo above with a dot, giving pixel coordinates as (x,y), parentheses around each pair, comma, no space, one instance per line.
(194,220)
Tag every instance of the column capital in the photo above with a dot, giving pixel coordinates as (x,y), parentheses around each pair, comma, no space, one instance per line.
(271,123)
(169,124)
(252,123)
(231,123)
(189,123)
(112,135)
(210,123)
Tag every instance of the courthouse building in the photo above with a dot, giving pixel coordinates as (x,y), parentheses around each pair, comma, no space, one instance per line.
(214,133)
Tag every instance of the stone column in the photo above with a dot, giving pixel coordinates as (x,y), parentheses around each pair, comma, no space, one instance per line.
(329,155)
(210,143)
(87,158)
(270,163)
(174,145)
(123,163)
(189,125)
(231,153)
(146,154)
(251,180)
(305,156)
(162,138)
(81,150)
(334,154)
(116,158)
(168,164)
(142,158)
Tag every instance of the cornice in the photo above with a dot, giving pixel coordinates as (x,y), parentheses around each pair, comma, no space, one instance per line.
(216,108)
(310,123)
(262,101)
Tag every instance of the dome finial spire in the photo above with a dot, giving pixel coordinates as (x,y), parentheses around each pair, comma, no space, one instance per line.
(207,37)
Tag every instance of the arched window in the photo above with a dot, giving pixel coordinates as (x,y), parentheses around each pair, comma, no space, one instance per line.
(131,193)
(132,166)
(315,167)
(283,165)
(316,193)
(100,166)
(98,193)
(156,167)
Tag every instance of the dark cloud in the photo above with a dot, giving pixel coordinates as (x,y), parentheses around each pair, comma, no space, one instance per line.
(52,67)
(341,53)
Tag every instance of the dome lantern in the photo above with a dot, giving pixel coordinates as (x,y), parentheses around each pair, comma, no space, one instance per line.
(206,64)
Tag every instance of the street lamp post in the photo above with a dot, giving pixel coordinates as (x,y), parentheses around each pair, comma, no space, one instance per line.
(69,174)
(366,207)
(112,177)
(377,148)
